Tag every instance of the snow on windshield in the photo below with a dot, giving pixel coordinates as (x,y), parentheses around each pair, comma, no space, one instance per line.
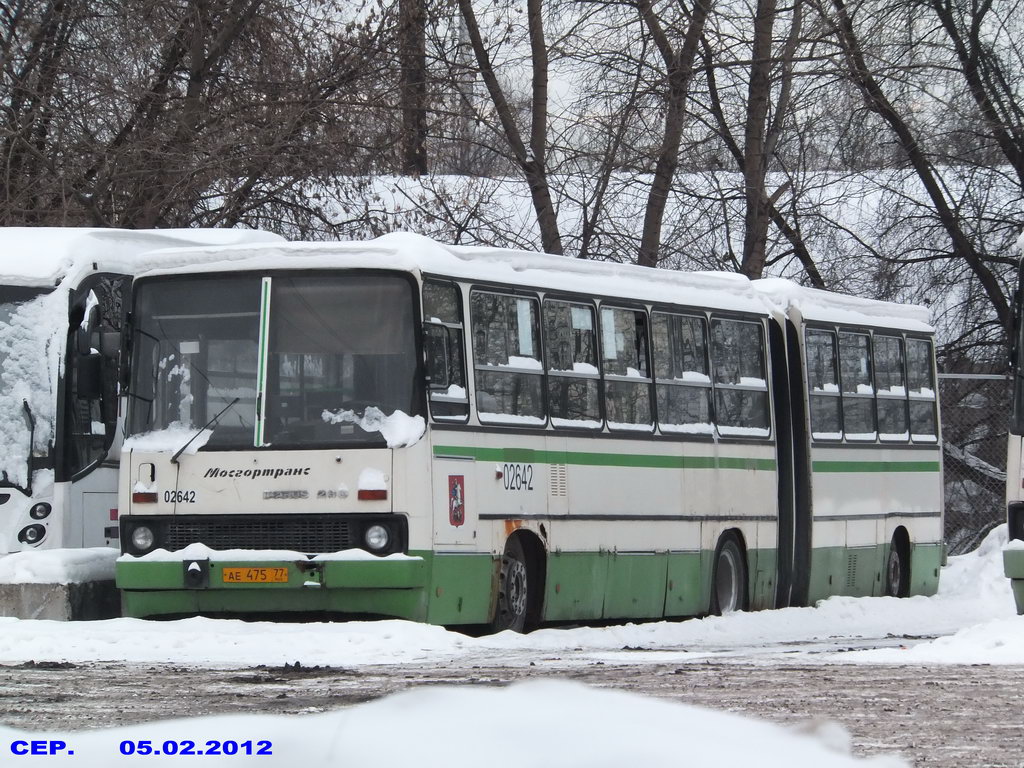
(399,429)
(30,354)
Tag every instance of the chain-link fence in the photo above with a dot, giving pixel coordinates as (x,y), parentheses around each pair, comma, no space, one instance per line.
(975,412)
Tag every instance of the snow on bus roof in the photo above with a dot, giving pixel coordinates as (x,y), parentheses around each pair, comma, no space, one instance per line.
(421,255)
(826,307)
(415,253)
(41,256)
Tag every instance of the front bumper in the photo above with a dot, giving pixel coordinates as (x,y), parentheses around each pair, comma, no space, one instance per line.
(378,587)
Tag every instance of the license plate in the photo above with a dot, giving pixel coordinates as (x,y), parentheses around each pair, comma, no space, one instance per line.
(255,575)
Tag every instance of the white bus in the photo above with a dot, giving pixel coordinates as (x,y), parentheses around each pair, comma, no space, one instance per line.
(1013,556)
(61,295)
(470,436)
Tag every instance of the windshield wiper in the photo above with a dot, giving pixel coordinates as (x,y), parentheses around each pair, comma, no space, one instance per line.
(174,458)
(31,439)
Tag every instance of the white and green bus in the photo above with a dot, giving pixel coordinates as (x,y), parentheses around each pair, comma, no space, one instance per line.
(61,297)
(1013,555)
(470,436)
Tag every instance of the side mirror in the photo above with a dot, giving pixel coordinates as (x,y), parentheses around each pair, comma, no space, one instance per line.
(89,377)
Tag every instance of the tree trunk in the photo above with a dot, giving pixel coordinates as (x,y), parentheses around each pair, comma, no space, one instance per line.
(413,85)
(679,73)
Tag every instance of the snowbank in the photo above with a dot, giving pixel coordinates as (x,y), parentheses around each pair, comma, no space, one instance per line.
(973,592)
(536,724)
(58,566)
(975,578)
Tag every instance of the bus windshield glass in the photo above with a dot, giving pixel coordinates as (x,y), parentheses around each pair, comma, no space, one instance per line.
(339,355)
(24,378)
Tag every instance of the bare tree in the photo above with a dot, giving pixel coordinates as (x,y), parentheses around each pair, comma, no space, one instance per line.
(529,157)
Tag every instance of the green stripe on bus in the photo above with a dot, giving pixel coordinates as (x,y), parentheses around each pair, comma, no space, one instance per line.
(532,456)
(875,466)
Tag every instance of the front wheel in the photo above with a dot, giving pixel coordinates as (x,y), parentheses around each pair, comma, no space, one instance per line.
(513,589)
(729,577)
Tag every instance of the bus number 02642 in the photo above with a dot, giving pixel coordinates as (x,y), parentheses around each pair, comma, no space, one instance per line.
(517,477)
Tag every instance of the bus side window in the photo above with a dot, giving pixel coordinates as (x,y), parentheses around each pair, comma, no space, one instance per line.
(682,382)
(570,344)
(443,351)
(921,389)
(627,382)
(891,389)
(740,378)
(823,385)
(509,374)
(856,384)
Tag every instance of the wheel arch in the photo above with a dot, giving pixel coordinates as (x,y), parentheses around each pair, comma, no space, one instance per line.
(537,567)
(735,535)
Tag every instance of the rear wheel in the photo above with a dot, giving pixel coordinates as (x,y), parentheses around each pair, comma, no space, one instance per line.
(729,577)
(897,570)
(513,589)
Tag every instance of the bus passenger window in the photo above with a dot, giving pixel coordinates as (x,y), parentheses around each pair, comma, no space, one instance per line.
(923,424)
(858,391)
(741,384)
(891,388)
(627,383)
(682,383)
(570,344)
(823,386)
(443,351)
(506,350)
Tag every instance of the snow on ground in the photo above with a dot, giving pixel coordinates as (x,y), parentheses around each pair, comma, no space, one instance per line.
(538,724)
(974,608)
(58,566)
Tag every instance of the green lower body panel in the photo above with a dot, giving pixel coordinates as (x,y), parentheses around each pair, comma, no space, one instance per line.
(607,585)
(762,564)
(925,563)
(438,588)
(860,571)
(1013,567)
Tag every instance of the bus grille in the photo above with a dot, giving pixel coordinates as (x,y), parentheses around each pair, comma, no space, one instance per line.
(308,534)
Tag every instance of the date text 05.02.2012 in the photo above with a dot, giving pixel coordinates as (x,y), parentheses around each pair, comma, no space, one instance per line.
(187,747)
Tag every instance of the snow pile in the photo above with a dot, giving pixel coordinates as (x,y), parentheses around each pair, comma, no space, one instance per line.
(556,724)
(399,429)
(973,592)
(58,566)
(975,579)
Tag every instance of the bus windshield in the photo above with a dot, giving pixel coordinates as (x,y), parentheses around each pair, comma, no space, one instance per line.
(339,353)
(23,378)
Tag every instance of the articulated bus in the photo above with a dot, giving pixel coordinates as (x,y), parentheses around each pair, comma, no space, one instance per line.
(471,436)
(61,296)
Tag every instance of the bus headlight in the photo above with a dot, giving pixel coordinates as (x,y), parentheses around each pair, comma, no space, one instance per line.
(40,511)
(143,538)
(31,534)
(377,537)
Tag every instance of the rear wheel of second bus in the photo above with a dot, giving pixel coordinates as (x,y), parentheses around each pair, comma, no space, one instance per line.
(513,589)
(729,577)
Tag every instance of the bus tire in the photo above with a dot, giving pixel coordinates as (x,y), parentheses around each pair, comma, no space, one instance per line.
(897,568)
(513,589)
(728,577)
